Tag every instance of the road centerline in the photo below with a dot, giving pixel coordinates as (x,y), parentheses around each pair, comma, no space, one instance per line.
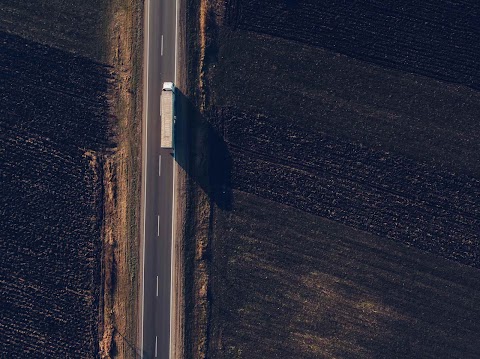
(158,195)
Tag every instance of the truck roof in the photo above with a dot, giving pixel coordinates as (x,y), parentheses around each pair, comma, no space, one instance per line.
(167,120)
(168,86)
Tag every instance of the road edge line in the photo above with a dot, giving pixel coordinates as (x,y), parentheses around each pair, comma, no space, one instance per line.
(172,257)
(145,161)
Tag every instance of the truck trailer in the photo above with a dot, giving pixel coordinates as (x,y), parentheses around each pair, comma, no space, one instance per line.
(167,114)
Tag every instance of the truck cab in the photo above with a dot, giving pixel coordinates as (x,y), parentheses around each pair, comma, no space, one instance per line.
(169,86)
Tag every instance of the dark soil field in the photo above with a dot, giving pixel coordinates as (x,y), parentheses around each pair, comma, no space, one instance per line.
(54,122)
(433,38)
(374,191)
(352,132)
(292,285)
(74,26)
(419,117)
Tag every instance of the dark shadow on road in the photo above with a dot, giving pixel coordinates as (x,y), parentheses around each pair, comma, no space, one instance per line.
(202,152)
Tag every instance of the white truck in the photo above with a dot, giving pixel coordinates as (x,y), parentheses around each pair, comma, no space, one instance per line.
(167,113)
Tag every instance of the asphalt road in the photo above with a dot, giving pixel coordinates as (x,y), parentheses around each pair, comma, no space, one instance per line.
(158,182)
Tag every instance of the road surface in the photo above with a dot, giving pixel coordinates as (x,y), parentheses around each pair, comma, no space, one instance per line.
(157,183)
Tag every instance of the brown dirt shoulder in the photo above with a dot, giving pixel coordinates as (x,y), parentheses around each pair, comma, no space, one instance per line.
(117,332)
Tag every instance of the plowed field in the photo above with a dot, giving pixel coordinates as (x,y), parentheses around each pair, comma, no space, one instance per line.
(433,38)
(377,192)
(54,122)
(354,159)
(289,284)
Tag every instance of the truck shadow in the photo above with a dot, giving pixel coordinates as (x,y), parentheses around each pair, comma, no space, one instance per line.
(202,152)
